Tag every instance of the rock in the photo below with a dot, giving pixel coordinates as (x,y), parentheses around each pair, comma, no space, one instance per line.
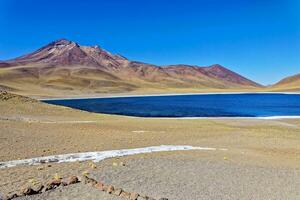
(28,191)
(38,188)
(90,181)
(110,189)
(52,185)
(118,191)
(125,195)
(134,196)
(99,186)
(163,199)
(10,196)
(70,180)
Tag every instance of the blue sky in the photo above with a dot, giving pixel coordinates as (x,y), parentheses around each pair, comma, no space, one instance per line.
(258,39)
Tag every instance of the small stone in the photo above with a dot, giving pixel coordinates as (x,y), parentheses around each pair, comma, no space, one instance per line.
(28,191)
(134,196)
(163,199)
(125,195)
(115,164)
(118,191)
(122,164)
(38,188)
(90,181)
(52,185)
(110,189)
(99,186)
(70,180)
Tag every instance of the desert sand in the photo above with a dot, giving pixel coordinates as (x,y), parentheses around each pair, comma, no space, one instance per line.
(262,160)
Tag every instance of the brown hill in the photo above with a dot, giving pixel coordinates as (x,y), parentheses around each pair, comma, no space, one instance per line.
(291,83)
(64,68)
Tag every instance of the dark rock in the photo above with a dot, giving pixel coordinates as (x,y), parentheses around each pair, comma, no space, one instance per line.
(52,185)
(38,188)
(28,191)
(70,180)
(10,196)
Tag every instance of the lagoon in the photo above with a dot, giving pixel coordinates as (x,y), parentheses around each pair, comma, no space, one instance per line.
(190,106)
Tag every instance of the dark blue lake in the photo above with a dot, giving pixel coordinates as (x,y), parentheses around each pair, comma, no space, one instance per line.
(211,105)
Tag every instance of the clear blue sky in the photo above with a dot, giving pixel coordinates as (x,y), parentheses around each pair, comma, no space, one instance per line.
(257,38)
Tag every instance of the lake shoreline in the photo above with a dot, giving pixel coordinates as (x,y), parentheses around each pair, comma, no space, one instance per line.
(158,95)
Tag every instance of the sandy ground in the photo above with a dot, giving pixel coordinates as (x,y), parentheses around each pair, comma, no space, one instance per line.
(262,161)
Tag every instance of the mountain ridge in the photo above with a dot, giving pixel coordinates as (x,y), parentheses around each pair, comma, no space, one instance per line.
(66,65)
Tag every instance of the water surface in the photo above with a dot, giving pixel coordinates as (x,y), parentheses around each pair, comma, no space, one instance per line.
(204,105)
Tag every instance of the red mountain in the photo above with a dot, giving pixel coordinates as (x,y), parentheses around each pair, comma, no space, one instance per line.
(65,66)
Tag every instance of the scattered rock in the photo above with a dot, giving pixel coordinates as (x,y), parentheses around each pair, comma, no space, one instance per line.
(70,180)
(134,196)
(163,199)
(52,185)
(90,181)
(110,189)
(125,195)
(28,191)
(38,188)
(10,196)
(118,191)
(99,186)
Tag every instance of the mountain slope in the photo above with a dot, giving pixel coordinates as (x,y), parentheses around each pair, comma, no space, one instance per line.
(65,68)
(291,83)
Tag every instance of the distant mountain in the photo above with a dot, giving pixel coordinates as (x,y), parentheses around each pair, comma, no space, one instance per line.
(291,83)
(64,67)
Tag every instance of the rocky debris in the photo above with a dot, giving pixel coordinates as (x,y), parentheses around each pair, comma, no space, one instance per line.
(56,182)
(27,191)
(53,184)
(89,181)
(134,196)
(99,186)
(125,195)
(117,191)
(110,189)
(10,196)
(5,96)
(69,181)
(38,188)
